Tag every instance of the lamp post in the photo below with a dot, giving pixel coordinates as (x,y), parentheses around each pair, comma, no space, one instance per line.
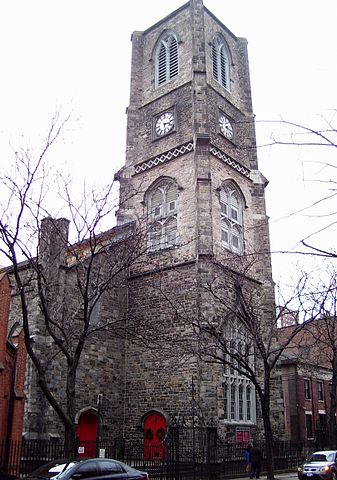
(98,433)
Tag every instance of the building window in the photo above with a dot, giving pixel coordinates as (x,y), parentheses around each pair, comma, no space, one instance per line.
(231,208)
(232,361)
(308,424)
(320,391)
(226,416)
(239,394)
(307,390)
(238,404)
(162,214)
(166,59)
(221,61)
(322,422)
(249,403)
(233,401)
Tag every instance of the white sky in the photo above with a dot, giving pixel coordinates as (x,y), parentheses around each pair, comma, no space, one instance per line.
(77,54)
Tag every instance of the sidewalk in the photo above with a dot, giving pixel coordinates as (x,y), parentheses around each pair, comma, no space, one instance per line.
(278,476)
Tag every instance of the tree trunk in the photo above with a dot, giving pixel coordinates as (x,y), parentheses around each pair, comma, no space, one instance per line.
(70,429)
(269,446)
(268,434)
(70,443)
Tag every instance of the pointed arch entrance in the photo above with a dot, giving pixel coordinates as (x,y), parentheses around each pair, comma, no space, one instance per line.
(155,431)
(87,433)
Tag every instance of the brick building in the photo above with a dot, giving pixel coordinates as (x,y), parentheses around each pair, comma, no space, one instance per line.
(191,170)
(306,370)
(12,369)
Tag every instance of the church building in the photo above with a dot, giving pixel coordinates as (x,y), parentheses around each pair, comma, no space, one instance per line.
(191,174)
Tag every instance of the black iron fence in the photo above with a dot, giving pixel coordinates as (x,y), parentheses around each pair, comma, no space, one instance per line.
(185,453)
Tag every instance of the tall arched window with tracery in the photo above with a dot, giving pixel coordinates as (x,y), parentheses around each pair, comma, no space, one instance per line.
(231,207)
(239,393)
(162,215)
(221,61)
(166,59)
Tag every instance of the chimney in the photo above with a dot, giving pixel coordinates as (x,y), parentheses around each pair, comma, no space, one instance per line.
(53,241)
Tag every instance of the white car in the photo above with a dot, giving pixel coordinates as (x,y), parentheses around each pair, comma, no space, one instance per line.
(319,466)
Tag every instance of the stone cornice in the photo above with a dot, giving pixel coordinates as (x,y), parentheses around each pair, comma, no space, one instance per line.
(229,161)
(164,157)
(187,148)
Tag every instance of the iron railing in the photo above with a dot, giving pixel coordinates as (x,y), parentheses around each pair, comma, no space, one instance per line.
(184,454)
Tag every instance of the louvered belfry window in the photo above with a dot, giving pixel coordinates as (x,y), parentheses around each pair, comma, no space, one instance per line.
(166,59)
(231,207)
(162,209)
(221,62)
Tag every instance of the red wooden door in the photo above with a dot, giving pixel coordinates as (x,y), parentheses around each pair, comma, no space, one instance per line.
(86,433)
(155,429)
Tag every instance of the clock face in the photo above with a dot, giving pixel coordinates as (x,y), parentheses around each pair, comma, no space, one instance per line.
(226,127)
(164,123)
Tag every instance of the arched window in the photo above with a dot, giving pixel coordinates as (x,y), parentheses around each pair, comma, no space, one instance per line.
(231,218)
(239,392)
(221,62)
(162,213)
(166,58)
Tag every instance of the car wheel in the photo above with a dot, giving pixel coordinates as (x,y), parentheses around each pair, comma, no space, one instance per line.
(334,475)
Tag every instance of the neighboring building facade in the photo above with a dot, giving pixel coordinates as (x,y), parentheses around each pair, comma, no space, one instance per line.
(12,370)
(306,382)
(191,170)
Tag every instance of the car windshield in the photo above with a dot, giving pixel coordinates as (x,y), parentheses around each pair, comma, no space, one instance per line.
(322,457)
(64,472)
(52,470)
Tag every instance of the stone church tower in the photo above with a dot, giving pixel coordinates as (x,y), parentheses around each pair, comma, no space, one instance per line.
(191,181)
(191,170)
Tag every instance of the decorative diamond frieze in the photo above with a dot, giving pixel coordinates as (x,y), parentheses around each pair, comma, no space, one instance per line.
(164,157)
(229,161)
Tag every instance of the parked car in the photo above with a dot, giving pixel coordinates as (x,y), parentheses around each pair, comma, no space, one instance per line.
(90,469)
(320,465)
(51,469)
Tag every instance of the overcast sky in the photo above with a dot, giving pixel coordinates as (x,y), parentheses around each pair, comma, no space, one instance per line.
(77,53)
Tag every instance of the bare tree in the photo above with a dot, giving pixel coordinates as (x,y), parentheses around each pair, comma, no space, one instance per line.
(67,279)
(317,146)
(242,335)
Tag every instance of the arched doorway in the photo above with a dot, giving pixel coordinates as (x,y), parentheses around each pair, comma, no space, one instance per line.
(155,430)
(87,433)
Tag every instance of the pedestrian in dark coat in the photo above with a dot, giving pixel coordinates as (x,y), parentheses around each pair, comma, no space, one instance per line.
(256,457)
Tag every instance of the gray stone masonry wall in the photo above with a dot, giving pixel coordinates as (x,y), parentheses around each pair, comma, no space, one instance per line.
(164,305)
(198,100)
(101,368)
(159,374)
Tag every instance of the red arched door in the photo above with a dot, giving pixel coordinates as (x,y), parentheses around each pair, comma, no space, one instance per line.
(86,433)
(155,429)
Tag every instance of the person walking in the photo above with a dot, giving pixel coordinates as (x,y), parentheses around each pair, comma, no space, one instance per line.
(256,457)
(248,459)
